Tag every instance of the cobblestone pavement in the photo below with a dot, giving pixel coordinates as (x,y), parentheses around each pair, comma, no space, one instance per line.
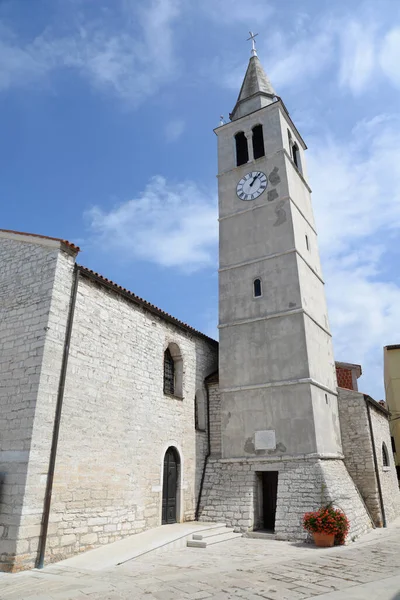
(247,569)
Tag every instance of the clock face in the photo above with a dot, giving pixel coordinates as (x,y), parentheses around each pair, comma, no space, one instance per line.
(252,185)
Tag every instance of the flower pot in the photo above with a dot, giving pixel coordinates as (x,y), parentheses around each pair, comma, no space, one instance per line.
(324,540)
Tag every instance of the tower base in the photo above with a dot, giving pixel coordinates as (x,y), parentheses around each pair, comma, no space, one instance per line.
(275,495)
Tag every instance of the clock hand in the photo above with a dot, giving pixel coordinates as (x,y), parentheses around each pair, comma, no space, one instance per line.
(254,178)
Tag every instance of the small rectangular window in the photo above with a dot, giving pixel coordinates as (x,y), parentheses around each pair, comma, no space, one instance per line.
(307,243)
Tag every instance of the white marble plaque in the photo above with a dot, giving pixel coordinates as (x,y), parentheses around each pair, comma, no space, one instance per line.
(265,440)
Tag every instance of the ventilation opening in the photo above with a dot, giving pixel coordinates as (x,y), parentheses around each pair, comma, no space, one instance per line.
(326,398)
(242,151)
(258,142)
(257,288)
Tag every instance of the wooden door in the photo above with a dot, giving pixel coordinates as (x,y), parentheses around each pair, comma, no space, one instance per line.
(170,486)
(270,492)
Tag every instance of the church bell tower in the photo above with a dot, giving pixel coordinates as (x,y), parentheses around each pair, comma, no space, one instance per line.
(279,424)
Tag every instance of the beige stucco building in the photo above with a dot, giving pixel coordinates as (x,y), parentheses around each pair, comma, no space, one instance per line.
(392,391)
(116,417)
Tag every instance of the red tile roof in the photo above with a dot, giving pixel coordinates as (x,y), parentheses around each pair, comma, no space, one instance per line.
(139,301)
(69,245)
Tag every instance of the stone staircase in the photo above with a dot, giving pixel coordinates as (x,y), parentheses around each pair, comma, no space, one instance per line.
(217,535)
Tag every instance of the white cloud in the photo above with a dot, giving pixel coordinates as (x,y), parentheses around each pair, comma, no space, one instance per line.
(172,225)
(390,56)
(357,57)
(295,62)
(236,11)
(356,199)
(132,60)
(174,129)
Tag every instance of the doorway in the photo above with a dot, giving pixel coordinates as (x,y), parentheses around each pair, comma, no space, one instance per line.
(170,486)
(267,492)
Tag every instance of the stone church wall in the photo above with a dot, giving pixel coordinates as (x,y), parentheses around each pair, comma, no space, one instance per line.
(35,283)
(117,423)
(358,451)
(387,475)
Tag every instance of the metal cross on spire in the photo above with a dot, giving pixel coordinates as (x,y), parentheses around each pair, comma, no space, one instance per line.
(252,38)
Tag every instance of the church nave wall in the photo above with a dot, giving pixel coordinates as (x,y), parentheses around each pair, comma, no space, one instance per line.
(117,423)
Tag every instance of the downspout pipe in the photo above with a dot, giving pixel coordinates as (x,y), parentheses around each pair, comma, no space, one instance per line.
(206,457)
(57,421)
(378,480)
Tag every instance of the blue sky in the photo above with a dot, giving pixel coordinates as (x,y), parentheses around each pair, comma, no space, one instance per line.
(107,109)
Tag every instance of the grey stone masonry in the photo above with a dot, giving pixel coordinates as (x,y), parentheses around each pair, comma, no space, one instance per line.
(117,423)
(35,284)
(358,451)
(387,475)
(215,420)
(231,494)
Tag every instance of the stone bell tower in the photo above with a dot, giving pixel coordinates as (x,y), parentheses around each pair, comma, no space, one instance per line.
(279,424)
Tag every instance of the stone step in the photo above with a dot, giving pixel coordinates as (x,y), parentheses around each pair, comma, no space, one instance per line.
(210,533)
(214,539)
(260,535)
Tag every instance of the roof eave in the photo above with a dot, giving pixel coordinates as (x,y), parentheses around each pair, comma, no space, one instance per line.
(143,303)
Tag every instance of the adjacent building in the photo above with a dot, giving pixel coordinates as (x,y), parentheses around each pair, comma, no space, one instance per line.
(392,391)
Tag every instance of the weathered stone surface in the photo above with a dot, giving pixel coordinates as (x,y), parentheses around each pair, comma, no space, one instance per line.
(116,421)
(359,455)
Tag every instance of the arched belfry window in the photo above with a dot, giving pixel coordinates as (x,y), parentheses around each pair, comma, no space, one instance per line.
(296,156)
(257,288)
(385,456)
(173,371)
(242,151)
(258,142)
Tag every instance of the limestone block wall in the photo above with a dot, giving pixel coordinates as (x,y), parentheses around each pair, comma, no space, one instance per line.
(35,281)
(387,475)
(117,423)
(230,494)
(215,419)
(357,448)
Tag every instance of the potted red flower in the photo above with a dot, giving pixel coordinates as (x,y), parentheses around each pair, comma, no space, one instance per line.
(327,525)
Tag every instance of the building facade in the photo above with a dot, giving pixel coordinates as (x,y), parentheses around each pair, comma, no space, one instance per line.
(116,417)
(392,390)
(119,417)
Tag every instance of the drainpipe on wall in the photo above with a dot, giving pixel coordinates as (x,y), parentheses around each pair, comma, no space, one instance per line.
(378,481)
(57,422)
(206,457)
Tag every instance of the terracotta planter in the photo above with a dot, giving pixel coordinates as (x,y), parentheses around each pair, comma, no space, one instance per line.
(324,540)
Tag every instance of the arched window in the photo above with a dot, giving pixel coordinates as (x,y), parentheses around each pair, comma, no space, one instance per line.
(173,371)
(257,288)
(385,456)
(242,151)
(169,373)
(258,142)
(200,411)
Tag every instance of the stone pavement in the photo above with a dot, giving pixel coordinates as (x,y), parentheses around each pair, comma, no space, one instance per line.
(247,569)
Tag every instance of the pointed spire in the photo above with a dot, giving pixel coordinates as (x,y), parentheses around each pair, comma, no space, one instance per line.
(256,90)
